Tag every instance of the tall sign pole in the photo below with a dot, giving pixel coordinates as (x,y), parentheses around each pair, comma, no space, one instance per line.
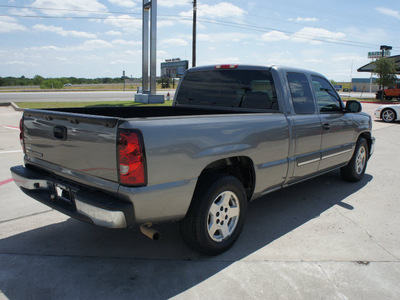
(149,96)
(194,33)
(153,47)
(145,45)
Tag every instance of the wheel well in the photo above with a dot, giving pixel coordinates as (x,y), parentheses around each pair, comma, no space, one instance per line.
(367,137)
(241,167)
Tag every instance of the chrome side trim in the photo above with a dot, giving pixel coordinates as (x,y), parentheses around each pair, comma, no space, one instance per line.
(336,154)
(308,162)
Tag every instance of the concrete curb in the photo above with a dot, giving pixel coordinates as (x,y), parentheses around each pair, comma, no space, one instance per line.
(16,107)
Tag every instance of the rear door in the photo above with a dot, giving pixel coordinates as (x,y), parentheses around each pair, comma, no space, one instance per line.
(307,129)
(338,127)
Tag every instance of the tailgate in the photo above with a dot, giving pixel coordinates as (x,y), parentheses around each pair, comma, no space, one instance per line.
(76,142)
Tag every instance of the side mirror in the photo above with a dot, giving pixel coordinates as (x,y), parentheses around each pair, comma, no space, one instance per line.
(353,106)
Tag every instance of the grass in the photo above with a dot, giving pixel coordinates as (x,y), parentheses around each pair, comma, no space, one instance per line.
(86,104)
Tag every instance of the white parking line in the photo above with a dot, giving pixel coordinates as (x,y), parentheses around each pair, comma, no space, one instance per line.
(11,127)
(11,151)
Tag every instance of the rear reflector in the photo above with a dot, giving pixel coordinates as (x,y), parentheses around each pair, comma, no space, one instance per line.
(131,159)
(226,66)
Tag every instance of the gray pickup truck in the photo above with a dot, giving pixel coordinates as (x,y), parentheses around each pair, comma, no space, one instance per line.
(233,134)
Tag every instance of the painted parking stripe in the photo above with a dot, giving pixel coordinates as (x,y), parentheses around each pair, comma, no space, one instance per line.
(11,127)
(10,151)
(6,181)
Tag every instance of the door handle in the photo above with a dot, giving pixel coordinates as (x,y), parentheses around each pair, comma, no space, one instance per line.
(326,126)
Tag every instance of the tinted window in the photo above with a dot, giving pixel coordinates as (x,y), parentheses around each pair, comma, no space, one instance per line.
(303,102)
(327,98)
(229,88)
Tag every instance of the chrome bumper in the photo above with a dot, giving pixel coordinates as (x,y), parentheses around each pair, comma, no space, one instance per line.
(82,204)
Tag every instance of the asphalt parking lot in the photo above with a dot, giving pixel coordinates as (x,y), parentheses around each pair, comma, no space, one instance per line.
(321,239)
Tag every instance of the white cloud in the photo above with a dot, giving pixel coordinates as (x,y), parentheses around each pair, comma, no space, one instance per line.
(113,32)
(94,44)
(300,19)
(43,48)
(172,3)
(221,10)
(59,8)
(125,43)
(63,32)
(177,42)
(8,24)
(274,36)
(312,35)
(123,3)
(22,12)
(389,12)
(20,63)
(125,22)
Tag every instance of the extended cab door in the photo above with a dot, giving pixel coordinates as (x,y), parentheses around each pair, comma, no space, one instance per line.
(338,136)
(307,128)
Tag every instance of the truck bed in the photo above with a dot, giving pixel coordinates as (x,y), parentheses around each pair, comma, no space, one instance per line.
(149,111)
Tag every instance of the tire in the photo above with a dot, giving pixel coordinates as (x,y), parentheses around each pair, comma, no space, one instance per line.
(216,215)
(388,98)
(388,115)
(355,169)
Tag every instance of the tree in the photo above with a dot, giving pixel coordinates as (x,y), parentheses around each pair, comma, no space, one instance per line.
(386,71)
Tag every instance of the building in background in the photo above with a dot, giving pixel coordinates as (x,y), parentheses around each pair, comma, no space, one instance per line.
(362,85)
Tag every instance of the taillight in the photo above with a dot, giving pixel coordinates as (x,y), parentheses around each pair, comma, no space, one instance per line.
(21,134)
(131,159)
(226,66)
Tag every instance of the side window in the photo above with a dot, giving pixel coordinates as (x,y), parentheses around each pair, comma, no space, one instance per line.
(327,98)
(303,102)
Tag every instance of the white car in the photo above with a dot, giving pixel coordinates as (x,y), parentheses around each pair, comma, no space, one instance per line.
(388,113)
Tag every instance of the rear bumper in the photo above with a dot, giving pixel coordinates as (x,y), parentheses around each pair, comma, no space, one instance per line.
(73,200)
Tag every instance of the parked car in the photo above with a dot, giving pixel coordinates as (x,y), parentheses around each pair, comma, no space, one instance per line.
(390,93)
(388,113)
(234,133)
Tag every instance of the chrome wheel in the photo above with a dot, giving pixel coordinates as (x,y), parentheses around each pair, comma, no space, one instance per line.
(388,115)
(223,216)
(361,160)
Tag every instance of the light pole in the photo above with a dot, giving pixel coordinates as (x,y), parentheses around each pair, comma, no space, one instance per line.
(194,33)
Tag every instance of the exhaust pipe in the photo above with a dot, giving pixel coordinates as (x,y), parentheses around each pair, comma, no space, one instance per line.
(150,232)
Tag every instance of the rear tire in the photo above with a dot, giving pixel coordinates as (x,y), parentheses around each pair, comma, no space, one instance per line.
(355,169)
(216,215)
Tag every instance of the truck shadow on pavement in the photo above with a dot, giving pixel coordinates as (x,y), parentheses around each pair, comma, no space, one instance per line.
(73,259)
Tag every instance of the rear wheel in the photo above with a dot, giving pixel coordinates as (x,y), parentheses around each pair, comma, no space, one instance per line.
(388,115)
(216,215)
(355,169)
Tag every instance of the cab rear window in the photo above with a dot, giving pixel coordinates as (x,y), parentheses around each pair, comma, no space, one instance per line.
(229,88)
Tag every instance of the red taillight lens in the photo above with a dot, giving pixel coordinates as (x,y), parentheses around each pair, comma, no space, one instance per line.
(21,133)
(132,167)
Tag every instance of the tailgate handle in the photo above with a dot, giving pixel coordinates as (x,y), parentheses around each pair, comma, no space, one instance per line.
(60,132)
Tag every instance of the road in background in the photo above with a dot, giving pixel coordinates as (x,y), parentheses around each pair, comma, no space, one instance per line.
(72,96)
(320,239)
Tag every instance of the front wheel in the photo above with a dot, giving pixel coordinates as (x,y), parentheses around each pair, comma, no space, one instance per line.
(355,169)
(388,115)
(216,215)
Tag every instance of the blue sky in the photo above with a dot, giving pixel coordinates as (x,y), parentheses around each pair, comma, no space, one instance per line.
(101,38)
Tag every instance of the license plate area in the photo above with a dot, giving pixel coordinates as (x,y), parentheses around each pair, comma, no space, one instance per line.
(63,193)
